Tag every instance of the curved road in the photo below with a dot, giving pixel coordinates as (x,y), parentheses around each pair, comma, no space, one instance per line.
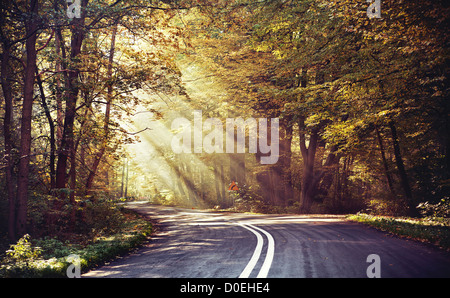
(192,244)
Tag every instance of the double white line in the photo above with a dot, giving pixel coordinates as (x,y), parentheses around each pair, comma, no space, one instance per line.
(257,253)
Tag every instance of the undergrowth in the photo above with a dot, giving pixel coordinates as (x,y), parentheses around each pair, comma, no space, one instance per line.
(431,230)
(49,257)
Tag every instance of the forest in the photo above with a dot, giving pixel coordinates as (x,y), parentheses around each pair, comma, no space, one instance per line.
(91,90)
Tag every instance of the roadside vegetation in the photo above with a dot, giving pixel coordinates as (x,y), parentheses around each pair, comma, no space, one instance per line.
(51,256)
(433,227)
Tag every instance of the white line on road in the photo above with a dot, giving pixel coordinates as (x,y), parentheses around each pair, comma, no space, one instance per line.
(257,253)
(255,257)
(269,256)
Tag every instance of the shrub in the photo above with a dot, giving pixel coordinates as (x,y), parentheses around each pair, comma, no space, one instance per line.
(435,232)
(53,247)
(93,209)
(438,210)
(23,252)
(47,257)
(247,200)
(390,207)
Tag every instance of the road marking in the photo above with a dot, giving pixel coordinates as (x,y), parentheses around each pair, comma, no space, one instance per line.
(269,256)
(255,257)
(257,253)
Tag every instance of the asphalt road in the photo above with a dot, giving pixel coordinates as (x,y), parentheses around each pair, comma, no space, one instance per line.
(195,244)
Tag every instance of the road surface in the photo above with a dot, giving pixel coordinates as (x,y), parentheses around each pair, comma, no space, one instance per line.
(196,244)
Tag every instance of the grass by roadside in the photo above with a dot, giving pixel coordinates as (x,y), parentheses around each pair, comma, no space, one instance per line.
(48,257)
(436,232)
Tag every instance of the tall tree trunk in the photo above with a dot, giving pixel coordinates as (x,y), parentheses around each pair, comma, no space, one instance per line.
(308,155)
(72,90)
(123,179)
(7,127)
(73,185)
(60,52)
(190,183)
(237,168)
(31,26)
(289,189)
(282,167)
(202,187)
(125,194)
(271,190)
(51,124)
(58,92)
(237,161)
(308,182)
(217,183)
(401,171)
(180,187)
(385,165)
(325,174)
(109,97)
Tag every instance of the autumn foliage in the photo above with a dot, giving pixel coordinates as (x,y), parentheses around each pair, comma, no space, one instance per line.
(362,102)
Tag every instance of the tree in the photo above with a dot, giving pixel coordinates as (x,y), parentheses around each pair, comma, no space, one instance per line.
(67,142)
(87,78)
(109,97)
(361,73)
(7,88)
(31,27)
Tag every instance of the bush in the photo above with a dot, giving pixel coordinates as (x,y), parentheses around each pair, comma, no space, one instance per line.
(51,216)
(23,252)
(47,257)
(434,232)
(54,248)
(94,208)
(438,210)
(388,207)
(247,200)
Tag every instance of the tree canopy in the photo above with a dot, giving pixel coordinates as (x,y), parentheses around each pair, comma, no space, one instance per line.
(88,102)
